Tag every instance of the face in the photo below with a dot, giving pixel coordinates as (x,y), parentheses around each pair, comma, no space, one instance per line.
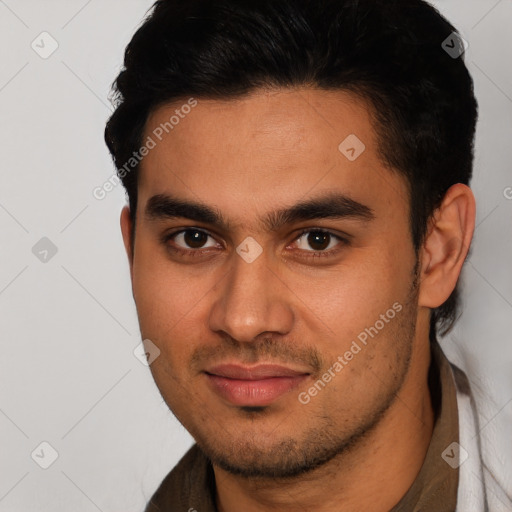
(274,270)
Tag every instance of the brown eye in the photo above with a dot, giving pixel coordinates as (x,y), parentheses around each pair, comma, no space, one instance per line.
(317,240)
(190,239)
(195,239)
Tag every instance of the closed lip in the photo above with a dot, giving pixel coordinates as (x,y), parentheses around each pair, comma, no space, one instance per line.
(259,372)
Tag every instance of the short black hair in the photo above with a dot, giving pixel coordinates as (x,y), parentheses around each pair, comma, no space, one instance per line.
(388,52)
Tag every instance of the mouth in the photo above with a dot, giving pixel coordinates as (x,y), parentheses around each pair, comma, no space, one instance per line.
(253,386)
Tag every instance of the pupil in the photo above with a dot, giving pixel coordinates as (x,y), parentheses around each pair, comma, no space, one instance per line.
(195,239)
(318,240)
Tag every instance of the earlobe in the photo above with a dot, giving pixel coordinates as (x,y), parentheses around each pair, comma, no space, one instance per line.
(446,245)
(126,230)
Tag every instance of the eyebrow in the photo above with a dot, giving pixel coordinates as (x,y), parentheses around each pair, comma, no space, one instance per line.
(331,205)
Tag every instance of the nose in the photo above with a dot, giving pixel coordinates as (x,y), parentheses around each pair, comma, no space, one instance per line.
(251,300)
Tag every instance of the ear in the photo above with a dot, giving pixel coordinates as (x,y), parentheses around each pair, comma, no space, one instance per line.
(126,230)
(446,245)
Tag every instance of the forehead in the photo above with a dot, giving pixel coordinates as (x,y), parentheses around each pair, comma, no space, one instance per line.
(269,146)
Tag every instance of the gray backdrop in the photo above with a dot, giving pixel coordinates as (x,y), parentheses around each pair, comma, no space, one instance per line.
(68,328)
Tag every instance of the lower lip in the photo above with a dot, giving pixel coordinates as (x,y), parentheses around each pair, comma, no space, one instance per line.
(253,392)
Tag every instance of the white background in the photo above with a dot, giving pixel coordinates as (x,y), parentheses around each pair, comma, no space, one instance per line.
(68,327)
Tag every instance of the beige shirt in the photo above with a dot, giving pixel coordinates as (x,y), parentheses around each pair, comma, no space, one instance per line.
(190,486)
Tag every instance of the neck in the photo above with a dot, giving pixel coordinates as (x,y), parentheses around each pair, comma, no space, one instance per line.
(373,475)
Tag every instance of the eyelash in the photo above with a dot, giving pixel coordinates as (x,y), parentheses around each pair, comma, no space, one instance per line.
(322,254)
(307,254)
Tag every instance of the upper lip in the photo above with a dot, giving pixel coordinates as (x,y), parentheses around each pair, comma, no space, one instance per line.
(261,371)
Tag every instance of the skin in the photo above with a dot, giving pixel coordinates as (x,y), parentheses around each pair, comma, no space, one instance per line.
(361,441)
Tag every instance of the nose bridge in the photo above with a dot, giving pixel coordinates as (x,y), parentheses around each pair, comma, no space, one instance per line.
(250,301)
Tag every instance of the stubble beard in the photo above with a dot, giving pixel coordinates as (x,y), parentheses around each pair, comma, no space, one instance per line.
(324,441)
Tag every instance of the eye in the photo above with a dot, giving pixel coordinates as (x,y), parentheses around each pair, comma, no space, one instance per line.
(190,239)
(317,240)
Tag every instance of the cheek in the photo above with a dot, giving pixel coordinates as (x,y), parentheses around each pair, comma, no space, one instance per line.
(171,309)
(353,295)
(169,298)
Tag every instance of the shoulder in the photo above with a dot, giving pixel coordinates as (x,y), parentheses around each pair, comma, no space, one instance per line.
(189,486)
(482,477)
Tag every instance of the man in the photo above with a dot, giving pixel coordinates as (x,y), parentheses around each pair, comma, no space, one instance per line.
(299,213)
